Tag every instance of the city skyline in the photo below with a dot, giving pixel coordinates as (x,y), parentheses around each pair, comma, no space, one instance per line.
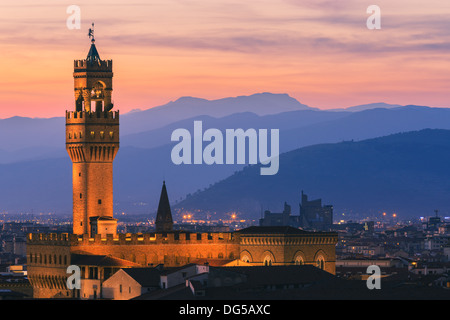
(356,207)
(320,53)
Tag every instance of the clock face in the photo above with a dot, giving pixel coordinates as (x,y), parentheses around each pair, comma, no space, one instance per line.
(97,90)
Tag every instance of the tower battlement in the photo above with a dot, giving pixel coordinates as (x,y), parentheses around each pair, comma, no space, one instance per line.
(132,239)
(98,65)
(79,117)
(50,238)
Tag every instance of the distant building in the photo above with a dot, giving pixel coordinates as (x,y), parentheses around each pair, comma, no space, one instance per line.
(315,216)
(279,219)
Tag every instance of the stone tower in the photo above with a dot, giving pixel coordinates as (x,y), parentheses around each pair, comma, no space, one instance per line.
(164,222)
(92,141)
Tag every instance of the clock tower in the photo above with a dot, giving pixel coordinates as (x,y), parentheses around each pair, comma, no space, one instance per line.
(92,141)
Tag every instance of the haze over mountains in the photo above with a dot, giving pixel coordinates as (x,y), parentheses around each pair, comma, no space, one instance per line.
(404,173)
(35,170)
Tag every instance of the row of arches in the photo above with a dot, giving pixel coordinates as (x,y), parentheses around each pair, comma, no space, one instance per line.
(47,259)
(49,282)
(299,258)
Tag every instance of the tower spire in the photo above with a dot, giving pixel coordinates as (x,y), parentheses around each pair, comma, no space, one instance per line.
(164,222)
(93,53)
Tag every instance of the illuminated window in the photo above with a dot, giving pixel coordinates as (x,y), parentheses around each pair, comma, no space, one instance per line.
(320,263)
(267,261)
(299,261)
(102,134)
(111,134)
(92,134)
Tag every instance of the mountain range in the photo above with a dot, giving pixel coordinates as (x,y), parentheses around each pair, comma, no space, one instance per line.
(404,173)
(35,170)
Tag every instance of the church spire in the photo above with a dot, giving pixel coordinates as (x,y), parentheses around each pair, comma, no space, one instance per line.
(164,220)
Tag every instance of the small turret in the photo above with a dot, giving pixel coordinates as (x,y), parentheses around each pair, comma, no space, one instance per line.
(93,81)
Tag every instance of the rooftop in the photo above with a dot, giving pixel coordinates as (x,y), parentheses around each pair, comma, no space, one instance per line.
(271,230)
(146,277)
(101,261)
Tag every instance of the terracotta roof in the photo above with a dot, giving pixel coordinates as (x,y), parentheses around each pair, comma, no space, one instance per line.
(212,262)
(102,218)
(101,260)
(275,275)
(271,230)
(146,277)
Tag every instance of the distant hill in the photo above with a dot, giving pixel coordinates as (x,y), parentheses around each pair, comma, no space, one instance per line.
(406,173)
(23,138)
(35,170)
(368,106)
(308,127)
(188,107)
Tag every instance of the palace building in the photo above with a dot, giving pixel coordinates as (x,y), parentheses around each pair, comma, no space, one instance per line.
(92,142)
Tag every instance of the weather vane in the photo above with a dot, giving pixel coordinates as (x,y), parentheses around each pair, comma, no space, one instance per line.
(91,33)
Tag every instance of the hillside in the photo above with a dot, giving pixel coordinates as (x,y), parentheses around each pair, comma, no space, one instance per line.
(406,173)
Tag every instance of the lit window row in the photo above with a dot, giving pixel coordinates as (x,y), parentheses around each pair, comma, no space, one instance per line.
(75,135)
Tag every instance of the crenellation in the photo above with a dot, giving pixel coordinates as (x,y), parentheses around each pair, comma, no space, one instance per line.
(84,65)
(92,117)
(132,239)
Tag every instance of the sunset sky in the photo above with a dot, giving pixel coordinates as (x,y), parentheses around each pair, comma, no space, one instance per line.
(317,51)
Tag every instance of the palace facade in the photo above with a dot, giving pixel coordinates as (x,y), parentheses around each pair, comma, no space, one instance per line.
(92,142)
